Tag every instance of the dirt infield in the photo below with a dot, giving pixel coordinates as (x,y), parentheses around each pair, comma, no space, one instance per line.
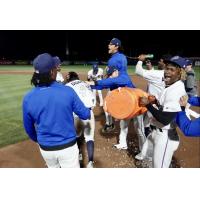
(26,154)
(16,72)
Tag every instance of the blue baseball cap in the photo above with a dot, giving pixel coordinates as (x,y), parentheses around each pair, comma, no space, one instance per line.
(43,63)
(177,60)
(95,66)
(110,70)
(188,62)
(57,60)
(115,42)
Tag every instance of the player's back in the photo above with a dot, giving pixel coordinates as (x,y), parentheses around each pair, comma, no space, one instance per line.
(52,112)
(84,91)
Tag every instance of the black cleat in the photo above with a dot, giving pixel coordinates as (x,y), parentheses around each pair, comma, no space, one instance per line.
(108,128)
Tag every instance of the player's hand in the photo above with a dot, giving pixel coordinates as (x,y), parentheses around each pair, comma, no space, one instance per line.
(152,99)
(142,57)
(183,100)
(143,101)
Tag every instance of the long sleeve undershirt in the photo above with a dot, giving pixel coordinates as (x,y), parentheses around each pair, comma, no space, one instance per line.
(163,117)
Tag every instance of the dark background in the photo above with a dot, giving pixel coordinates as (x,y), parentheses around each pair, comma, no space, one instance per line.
(91,45)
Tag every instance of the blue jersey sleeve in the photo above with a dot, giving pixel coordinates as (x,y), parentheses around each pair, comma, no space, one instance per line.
(79,108)
(187,126)
(28,122)
(99,87)
(194,101)
(112,82)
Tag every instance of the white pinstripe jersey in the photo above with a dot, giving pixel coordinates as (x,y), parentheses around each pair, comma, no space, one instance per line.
(154,77)
(169,102)
(84,91)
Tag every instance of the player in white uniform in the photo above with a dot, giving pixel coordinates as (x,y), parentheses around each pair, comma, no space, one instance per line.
(85,93)
(164,136)
(94,74)
(59,77)
(156,85)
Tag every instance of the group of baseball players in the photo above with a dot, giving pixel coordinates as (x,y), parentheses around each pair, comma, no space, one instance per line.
(59,110)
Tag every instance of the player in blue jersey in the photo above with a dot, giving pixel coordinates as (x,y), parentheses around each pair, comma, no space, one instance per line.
(48,115)
(119,60)
(187,126)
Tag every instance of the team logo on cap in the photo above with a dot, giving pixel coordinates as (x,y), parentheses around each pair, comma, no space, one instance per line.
(175,57)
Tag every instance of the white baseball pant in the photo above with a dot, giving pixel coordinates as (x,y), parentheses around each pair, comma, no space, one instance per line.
(123,132)
(163,147)
(100,97)
(139,126)
(87,127)
(66,158)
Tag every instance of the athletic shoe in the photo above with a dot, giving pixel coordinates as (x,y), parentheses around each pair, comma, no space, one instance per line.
(119,146)
(139,156)
(90,164)
(108,128)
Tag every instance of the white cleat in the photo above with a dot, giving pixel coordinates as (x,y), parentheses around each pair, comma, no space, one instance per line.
(139,156)
(90,164)
(120,146)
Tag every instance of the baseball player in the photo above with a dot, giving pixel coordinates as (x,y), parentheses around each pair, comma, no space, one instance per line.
(149,65)
(190,81)
(83,90)
(96,73)
(154,77)
(48,115)
(164,136)
(115,81)
(188,127)
(119,60)
(59,77)
(156,85)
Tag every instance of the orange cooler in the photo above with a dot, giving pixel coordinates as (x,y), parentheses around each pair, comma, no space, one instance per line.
(123,103)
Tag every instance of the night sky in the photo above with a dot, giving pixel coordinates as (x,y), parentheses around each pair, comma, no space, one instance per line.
(90,45)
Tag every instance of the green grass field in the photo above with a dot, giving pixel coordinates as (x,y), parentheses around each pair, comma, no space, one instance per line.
(12,89)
